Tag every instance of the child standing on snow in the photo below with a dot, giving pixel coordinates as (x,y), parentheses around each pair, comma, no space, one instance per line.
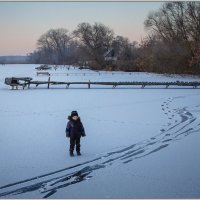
(74,131)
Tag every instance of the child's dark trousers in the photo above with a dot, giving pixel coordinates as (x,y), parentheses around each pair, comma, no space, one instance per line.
(75,141)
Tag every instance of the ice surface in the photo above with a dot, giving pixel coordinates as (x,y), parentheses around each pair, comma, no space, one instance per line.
(140,143)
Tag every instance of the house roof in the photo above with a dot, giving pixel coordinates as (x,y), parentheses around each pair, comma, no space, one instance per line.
(106,54)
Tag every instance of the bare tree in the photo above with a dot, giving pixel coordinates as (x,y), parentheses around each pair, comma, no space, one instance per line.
(55,44)
(96,39)
(123,48)
(177,26)
(176,21)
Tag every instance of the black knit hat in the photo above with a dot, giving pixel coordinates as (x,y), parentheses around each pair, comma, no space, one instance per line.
(74,113)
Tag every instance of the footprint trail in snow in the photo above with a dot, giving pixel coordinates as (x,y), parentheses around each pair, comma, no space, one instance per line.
(182,123)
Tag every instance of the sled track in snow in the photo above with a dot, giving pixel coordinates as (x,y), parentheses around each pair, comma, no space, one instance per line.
(48,184)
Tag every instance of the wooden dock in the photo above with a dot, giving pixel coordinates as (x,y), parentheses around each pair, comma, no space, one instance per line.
(28,82)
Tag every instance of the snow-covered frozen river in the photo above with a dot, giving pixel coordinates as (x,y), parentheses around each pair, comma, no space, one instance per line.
(140,143)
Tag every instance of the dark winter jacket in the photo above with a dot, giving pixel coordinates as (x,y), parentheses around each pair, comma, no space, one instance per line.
(74,128)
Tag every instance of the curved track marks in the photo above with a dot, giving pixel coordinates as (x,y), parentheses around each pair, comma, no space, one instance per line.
(182,123)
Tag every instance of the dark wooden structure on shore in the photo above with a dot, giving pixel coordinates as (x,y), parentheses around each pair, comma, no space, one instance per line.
(18,81)
(27,82)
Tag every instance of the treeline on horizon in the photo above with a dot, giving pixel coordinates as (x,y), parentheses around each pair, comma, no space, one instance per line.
(172,44)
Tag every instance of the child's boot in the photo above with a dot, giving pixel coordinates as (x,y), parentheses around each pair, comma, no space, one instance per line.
(78,149)
(71,153)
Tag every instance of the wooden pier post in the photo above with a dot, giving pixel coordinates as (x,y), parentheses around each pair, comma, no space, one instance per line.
(67,86)
(48,82)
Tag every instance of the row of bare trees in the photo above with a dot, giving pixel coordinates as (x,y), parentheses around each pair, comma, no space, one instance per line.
(172,44)
(86,45)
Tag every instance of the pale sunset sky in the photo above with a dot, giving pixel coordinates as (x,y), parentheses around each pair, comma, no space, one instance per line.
(22,23)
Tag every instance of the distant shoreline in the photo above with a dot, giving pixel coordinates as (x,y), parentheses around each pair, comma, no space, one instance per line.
(14,60)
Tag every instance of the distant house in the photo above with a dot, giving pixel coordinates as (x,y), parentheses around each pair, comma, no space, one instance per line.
(110,56)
